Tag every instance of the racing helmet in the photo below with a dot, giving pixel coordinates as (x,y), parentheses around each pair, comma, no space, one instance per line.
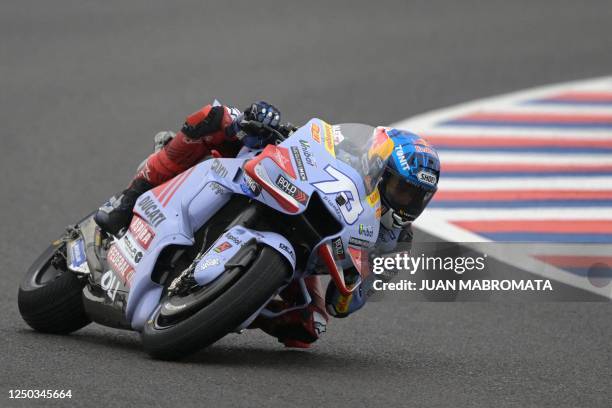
(410,178)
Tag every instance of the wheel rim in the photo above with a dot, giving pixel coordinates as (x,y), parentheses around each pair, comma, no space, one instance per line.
(45,268)
(177,308)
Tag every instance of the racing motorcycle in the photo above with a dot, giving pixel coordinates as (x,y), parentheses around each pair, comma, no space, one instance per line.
(208,250)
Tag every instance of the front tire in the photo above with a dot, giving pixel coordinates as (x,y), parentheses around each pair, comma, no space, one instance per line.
(50,297)
(240,298)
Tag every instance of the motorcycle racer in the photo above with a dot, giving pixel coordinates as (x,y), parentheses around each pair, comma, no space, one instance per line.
(408,184)
(212,130)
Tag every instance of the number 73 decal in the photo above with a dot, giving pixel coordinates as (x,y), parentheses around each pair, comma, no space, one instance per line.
(346,188)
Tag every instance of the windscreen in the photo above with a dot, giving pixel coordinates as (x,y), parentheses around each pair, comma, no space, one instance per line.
(364,148)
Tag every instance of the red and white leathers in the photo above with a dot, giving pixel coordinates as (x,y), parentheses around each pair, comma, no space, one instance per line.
(183,152)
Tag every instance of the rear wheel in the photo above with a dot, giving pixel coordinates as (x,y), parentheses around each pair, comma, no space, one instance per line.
(50,297)
(188,322)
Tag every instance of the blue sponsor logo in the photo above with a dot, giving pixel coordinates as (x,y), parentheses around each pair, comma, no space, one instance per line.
(246,190)
(78,253)
(250,187)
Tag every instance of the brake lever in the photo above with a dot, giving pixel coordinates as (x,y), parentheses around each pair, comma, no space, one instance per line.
(255,126)
(247,125)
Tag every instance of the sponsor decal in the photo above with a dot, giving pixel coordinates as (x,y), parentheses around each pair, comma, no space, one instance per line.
(217,188)
(343,303)
(338,136)
(366,230)
(338,247)
(77,251)
(120,265)
(246,190)
(374,198)
(142,233)
(110,284)
(250,187)
(358,242)
(329,140)
(76,256)
(151,210)
(291,189)
(382,146)
(208,263)
(280,156)
(131,249)
(298,163)
(218,168)
(222,247)
(315,130)
(402,157)
(287,250)
(332,205)
(424,149)
(308,156)
(345,186)
(234,239)
(427,177)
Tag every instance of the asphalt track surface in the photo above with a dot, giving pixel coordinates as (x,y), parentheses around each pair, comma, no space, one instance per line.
(85,85)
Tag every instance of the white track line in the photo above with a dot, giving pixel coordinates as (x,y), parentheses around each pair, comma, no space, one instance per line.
(552,108)
(491,133)
(426,120)
(525,158)
(591,213)
(435,221)
(527,183)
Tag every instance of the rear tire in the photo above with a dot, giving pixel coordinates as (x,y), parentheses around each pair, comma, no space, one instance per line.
(50,300)
(265,275)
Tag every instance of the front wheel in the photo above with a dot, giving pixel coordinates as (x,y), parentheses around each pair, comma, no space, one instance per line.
(50,297)
(186,323)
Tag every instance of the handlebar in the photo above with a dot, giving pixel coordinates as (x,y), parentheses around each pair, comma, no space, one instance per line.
(253,126)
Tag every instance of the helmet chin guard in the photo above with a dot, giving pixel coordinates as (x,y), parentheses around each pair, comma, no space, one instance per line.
(391,219)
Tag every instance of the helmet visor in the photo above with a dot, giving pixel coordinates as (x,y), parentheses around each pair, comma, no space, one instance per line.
(407,199)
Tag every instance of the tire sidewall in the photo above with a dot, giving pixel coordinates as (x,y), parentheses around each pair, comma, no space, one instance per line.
(224,314)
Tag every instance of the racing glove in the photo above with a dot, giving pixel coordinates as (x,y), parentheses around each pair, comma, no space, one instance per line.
(268,115)
(263,112)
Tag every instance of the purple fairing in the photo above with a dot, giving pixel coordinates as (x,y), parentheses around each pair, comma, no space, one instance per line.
(197,195)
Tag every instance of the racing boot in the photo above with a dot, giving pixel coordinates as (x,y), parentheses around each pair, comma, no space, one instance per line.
(297,329)
(116,213)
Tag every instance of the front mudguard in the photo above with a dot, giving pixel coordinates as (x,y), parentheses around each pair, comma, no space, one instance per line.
(229,243)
